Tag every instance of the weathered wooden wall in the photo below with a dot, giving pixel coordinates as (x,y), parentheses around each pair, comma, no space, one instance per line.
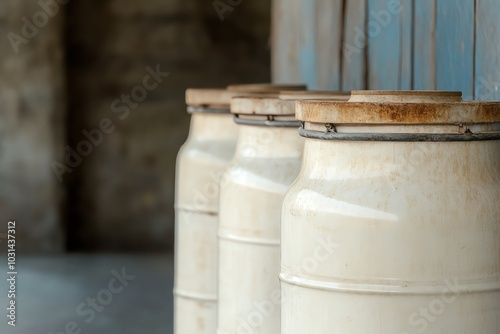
(389,44)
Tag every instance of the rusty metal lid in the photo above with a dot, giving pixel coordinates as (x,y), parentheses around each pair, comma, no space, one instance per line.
(265,87)
(281,103)
(314,95)
(262,105)
(212,98)
(399,107)
(221,98)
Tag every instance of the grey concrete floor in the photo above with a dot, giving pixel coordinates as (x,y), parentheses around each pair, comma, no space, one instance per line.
(50,291)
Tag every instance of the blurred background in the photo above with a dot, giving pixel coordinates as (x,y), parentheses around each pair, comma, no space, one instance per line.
(63,81)
(92,115)
(65,68)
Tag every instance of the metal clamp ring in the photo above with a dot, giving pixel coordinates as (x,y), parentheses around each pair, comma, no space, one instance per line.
(268,122)
(197,109)
(399,137)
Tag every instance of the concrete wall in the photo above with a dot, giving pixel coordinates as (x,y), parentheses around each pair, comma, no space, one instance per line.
(32,101)
(122,193)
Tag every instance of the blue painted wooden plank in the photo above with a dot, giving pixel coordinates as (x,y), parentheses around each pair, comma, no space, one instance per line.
(354,46)
(406,36)
(285,22)
(455,46)
(487,79)
(307,43)
(424,45)
(385,43)
(328,42)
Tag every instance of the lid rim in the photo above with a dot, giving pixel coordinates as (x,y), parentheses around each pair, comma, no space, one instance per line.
(407,92)
(278,103)
(398,113)
(264,87)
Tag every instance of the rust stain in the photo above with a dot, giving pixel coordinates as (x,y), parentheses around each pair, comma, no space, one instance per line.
(490,110)
(201,324)
(398,113)
(411,112)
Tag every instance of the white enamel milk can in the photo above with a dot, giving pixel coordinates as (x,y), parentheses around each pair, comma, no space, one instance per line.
(200,165)
(266,162)
(393,225)
(209,147)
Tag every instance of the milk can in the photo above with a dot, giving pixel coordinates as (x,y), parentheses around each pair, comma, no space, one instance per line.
(267,160)
(393,225)
(200,164)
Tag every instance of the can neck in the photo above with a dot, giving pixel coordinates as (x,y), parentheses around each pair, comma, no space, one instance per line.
(262,141)
(209,126)
(364,162)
